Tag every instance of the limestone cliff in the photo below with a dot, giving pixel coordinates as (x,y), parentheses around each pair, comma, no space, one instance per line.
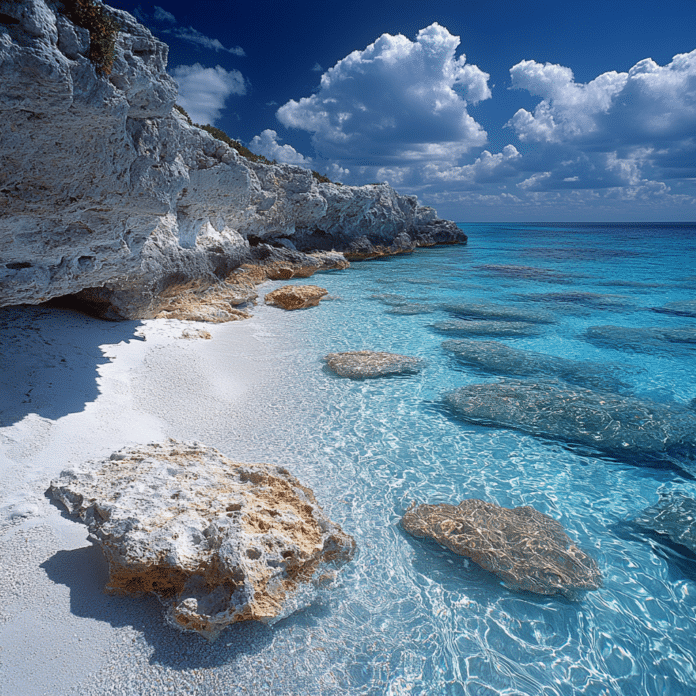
(107,191)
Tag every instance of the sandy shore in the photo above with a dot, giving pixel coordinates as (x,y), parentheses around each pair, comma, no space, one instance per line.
(75,389)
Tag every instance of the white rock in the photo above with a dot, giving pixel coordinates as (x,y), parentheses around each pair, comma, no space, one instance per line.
(217,541)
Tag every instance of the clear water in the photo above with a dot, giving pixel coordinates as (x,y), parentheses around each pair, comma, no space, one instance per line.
(409,617)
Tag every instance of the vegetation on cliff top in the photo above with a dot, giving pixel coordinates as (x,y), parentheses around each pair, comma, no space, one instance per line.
(102,28)
(241,149)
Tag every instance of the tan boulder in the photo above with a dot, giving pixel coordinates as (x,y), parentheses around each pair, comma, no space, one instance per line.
(527,549)
(362,364)
(296,296)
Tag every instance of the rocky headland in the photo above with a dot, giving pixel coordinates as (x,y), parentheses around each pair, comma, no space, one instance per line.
(111,198)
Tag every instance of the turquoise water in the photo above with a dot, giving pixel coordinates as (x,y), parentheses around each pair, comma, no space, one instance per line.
(409,617)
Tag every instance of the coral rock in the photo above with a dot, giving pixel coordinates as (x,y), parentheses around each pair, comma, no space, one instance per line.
(366,363)
(217,541)
(527,549)
(296,296)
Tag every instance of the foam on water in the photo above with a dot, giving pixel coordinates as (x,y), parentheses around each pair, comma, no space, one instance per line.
(409,617)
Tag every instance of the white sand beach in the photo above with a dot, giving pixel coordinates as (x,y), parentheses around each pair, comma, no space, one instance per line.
(75,389)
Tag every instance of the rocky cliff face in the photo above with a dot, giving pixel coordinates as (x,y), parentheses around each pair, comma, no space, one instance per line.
(106,191)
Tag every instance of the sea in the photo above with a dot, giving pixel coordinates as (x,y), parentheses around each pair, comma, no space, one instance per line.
(605,310)
(408,616)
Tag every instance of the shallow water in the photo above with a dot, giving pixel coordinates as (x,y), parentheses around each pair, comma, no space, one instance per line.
(409,617)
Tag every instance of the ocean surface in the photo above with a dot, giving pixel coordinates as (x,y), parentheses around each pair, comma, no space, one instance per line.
(408,616)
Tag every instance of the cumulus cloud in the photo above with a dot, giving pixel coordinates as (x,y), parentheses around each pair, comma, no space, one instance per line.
(165,23)
(395,102)
(488,168)
(203,91)
(267,144)
(648,103)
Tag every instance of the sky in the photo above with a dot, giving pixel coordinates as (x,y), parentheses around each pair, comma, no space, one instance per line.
(488,111)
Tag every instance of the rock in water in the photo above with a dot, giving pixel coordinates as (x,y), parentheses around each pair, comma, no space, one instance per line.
(217,541)
(501,359)
(296,296)
(463,327)
(625,427)
(362,364)
(527,549)
(673,516)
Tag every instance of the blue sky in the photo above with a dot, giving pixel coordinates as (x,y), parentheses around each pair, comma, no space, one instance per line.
(488,111)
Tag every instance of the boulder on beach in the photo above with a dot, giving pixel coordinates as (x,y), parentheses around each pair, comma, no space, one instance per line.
(644,432)
(363,364)
(673,516)
(216,541)
(527,549)
(296,296)
(500,359)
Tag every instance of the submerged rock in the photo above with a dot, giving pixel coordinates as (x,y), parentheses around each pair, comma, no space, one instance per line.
(500,359)
(641,339)
(527,549)
(296,296)
(487,328)
(593,300)
(489,310)
(364,364)
(622,426)
(687,308)
(674,516)
(411,308)
(525,272)
(217,541)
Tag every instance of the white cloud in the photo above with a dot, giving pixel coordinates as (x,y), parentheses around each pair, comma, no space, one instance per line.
(161,15)
(162,21)
(203,91)
(317,68)
(487,168)
(267,144)
(195,37)
(649,103)
(397,101)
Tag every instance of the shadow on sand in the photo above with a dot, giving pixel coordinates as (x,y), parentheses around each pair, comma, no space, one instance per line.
(85,572)
(50,358)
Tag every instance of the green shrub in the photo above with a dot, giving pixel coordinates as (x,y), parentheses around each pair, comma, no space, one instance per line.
(102,29)
(182,111)
(321,178)
(243,151)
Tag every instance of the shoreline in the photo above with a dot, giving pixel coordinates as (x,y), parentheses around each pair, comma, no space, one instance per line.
(77,389)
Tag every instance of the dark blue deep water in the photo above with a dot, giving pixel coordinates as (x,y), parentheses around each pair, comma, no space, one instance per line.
(408,616)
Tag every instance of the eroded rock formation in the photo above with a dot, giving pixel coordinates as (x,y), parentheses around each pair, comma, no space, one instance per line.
(640,431)
(108,193)
(527,549)
(363,364)
(217,541)
(296,296)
